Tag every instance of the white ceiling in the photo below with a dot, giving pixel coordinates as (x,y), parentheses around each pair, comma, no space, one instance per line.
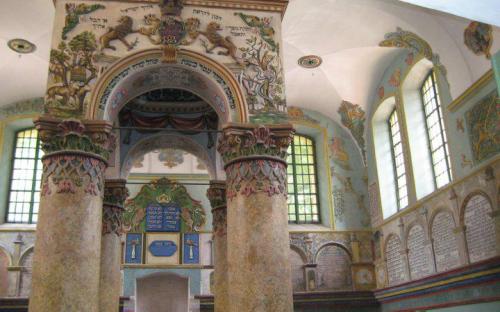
(24,76)
(345,33)
(486,11)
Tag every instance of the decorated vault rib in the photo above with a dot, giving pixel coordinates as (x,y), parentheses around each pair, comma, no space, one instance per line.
(163,191)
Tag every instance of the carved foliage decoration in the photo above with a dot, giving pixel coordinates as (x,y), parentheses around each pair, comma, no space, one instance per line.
(73,157)
(216,194)
(115,194)
(71,72)
(192,214)
(255,159)
(478,37)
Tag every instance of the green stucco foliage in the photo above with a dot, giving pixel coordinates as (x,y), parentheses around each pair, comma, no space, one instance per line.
(164,191)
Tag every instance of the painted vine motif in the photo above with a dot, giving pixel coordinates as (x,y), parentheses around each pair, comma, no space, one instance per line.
(192,214)
(73,13)
(483,123)
(353,118)
(478,37)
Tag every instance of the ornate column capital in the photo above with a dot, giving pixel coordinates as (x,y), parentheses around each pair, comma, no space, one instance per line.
(216,194)
(76,154)
(115,194)
(255,158)
(240,142)
(88,137)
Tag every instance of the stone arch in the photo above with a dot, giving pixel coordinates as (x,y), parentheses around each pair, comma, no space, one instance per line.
(419,257)
(444,242)
(5,262)
(297,261)
(334,271)
(480,232)
(26,262)
(164,291)
(163,140)
(396,266)
(144,71)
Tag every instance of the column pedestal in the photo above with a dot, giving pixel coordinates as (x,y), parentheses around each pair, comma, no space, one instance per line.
(258,255)
(115,194)
(217,196)
(68,246)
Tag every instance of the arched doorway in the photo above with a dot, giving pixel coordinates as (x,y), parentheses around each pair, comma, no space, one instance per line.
(144,71)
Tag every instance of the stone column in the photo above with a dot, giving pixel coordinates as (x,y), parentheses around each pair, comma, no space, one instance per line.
(259,273)
(216,193)
(115,194)
(68,246)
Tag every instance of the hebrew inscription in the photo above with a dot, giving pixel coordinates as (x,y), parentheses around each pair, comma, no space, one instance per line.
(480,229)
(445,242)
(418,253)
(334,269)
(395,264)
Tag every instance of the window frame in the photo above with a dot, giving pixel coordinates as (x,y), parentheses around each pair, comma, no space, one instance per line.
(394,112)
(442,131)
(294,175)
(11,175)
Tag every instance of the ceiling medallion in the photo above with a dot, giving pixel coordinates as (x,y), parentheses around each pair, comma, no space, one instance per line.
(310,61)
(21,46)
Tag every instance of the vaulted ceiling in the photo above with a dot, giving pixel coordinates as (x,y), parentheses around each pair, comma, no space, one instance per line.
(344,33)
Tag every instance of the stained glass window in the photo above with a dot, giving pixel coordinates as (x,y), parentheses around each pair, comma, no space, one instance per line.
(398,160)
(435,131)
(303,206)
(24,191)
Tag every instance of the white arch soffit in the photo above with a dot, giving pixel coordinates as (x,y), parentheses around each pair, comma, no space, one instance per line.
(144,71)
(163,140)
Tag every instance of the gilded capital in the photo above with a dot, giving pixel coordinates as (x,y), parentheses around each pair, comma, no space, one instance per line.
(240,142)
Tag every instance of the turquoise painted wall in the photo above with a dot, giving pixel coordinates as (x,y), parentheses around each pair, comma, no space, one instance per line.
(343,161)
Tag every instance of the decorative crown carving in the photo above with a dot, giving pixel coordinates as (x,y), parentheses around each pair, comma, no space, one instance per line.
(171,7)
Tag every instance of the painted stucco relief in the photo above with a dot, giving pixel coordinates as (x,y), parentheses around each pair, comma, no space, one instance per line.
(95,35)
(483,126)
(478,37)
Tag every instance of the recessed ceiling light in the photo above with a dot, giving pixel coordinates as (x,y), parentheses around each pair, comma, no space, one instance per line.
(310,61)
(21,46)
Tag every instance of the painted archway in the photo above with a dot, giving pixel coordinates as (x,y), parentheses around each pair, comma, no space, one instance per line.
(162,140)
(144,71)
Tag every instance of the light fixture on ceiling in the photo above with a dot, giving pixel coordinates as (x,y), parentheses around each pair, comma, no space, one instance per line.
(310,61)
(21,46)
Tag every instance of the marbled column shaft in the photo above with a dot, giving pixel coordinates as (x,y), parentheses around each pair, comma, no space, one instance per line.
(115,194)
(68,246)
(258,260)
(216,193)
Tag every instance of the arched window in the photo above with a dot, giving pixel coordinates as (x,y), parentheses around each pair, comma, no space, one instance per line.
(26,174)
(398,160)
(303,203)
(435,131)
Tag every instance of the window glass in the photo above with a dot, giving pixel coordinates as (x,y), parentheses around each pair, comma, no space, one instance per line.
(436,133)
(24,192)
(398,160)
(303,200)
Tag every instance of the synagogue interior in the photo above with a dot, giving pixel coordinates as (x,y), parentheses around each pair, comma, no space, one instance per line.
(249,155)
